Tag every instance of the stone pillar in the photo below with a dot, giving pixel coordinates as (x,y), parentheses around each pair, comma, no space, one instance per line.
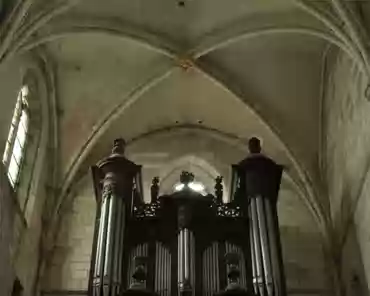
(259,183)
(114,179)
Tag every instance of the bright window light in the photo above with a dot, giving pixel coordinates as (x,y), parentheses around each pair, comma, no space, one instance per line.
(179,187)
(15,145)
(195,186)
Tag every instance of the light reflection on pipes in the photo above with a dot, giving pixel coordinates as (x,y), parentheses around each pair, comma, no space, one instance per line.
(274,252)
(253,255)
(257,248)
(265,247)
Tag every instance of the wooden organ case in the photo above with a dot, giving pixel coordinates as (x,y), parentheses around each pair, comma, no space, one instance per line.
(185,243)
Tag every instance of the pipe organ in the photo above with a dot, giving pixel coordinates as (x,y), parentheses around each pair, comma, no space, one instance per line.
(186,243)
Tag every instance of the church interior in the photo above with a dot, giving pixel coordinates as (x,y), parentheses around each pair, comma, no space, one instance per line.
(181,89)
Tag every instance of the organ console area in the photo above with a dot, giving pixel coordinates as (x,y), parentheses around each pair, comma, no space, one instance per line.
(187,243)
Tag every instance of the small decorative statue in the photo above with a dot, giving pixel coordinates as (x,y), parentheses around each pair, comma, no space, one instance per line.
(219,188)
(186,178)
(138,287)
(154,189)
(233,287)
(119,146)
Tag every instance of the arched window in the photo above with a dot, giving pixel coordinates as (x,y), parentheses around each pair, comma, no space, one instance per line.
(16,143)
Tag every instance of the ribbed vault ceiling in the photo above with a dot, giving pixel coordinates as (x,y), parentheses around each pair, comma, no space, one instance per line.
(138,68)
(130,68)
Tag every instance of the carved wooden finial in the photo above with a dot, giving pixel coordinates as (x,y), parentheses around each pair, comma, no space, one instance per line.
(219,188)
(186,177)
(119,146)
(254,145)
(154,189)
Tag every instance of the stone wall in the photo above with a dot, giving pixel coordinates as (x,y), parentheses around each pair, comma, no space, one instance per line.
(7,216)
(18,242)
(304,262)
(28,255)
(347,142)
(31,192)
(25,234)
(361,222)
(353,276)
(347,121)
(68,268)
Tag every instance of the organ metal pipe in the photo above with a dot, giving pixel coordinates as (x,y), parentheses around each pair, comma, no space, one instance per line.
(116,240)
(120,248)
(209,278)
(180,257)
(192,261)
(110,232)
(213,286)
(273,249)
(242,267)
(260,178)
(104,237)
(161,261)
(169,275)
(114,246)
(185,260)
(186,255)
(257,249)
(165,272)
(116,173)
(102,260)
(265,246)
(160,271)
(217,267)
(115,272)
(112,249)
(211,274)
(100,238)
(253,254)
(157,275)
(208,270)
(204,270)
(129,268)
(209,283)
